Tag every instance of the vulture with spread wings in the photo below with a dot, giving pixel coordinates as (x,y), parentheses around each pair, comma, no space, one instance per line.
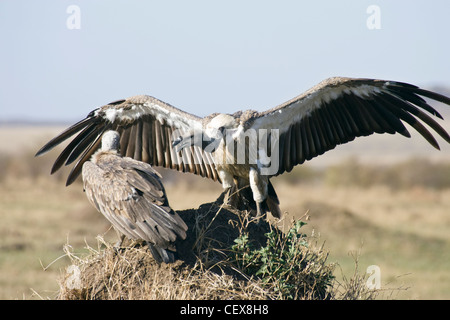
(249,147)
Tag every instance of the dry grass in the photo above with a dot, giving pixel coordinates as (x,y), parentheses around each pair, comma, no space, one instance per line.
(132,273)
(403,229)
(404,232)
(208,268)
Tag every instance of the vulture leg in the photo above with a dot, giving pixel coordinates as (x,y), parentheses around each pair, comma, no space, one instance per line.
(227,196)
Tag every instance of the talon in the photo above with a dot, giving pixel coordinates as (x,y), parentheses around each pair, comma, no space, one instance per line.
(226,197)
(259,213)
(231,197)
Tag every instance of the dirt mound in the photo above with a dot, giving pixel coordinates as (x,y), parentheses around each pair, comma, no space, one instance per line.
(226,255)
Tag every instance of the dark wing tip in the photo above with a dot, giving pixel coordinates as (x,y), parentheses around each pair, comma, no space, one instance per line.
(66,134)
(41,151)
(350,114)
(417,91)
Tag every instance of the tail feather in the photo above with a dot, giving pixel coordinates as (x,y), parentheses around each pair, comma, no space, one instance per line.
(274,207)
(271,203)
(160,254)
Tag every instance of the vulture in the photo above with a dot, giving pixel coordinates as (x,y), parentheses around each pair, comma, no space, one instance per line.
(245,149)
(129,193)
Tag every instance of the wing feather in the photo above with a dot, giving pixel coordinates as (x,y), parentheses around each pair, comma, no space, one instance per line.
(66,134)
(338,110)
(145,125)
(77,168)
(65,154)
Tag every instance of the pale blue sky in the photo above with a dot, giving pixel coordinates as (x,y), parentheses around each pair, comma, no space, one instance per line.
(208,56)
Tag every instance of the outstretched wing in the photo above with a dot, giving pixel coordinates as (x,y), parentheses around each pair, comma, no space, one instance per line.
(145,125)
(338,110)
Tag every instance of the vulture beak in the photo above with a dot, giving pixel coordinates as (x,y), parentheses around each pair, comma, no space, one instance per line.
(183,141)
(210,142)
(207,143)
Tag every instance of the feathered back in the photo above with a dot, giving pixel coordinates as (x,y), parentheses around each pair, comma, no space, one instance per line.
(131,196)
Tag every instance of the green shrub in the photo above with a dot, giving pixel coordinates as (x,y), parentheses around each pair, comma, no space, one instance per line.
(286,264)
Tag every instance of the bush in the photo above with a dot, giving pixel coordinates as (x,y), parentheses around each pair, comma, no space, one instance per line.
(227,255)
(286,264)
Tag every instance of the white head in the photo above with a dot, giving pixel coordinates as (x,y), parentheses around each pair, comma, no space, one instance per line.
(110,141)
(213,135)
(219,123)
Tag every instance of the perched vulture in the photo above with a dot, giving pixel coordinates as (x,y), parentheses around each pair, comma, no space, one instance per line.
(129,193)
(247,148)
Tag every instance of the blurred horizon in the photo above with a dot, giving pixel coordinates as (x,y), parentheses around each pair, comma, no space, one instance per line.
(63,59)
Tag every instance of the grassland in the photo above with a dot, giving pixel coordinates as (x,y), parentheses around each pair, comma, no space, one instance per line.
(402,227)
